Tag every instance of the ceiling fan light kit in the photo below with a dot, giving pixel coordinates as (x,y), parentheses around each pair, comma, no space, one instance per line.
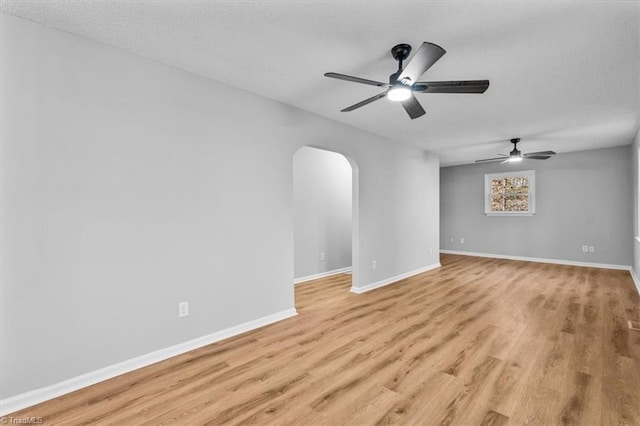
(399,93)
(403,83)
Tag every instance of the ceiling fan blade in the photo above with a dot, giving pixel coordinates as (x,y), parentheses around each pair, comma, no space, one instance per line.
(489,160)
(356,79)
(537,157)
(467,86)
(365,102)
(413,107)
(427,55)
(538,153)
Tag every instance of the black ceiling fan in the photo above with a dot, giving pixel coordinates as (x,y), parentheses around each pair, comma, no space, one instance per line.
(403,83)
(515,155)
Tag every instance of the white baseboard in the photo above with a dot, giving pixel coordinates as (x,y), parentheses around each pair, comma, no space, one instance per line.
(322,275)
(636,280)
(385,282)
(540,260)
(27,399)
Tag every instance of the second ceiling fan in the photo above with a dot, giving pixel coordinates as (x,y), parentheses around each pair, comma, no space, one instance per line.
(516,156)
(404,82)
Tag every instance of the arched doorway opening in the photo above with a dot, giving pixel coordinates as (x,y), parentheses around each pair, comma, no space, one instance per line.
(325,223)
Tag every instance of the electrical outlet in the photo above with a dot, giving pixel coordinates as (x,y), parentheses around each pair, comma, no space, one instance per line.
(461,240)
(431,250)
(322,256)
(451,240)
(374,264)
(585,249)
(592,249)
(183,309)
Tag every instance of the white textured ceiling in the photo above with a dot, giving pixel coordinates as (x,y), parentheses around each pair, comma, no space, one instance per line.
(564,75)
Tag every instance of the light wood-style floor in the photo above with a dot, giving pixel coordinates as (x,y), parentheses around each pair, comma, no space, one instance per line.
(478,341)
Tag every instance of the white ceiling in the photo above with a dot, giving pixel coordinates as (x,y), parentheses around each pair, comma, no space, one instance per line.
(564,75)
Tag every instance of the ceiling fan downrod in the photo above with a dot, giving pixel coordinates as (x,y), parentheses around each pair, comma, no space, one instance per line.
(400,52)
(515,151)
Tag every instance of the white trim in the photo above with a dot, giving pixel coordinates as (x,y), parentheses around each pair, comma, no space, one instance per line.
(636,280)
(385,282)
(322,275)
(27,399)
(540,260)
(510,214)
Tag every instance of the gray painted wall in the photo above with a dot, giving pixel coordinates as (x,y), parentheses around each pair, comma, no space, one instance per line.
(581,198)
(129,186)
(635,158)
(322,199)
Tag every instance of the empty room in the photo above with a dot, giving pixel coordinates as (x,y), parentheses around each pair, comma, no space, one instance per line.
(319,212)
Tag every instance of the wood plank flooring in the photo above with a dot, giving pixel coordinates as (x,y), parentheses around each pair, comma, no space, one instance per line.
(477,342)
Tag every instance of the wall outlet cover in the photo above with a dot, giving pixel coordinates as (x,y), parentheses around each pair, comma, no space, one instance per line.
(183,309)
